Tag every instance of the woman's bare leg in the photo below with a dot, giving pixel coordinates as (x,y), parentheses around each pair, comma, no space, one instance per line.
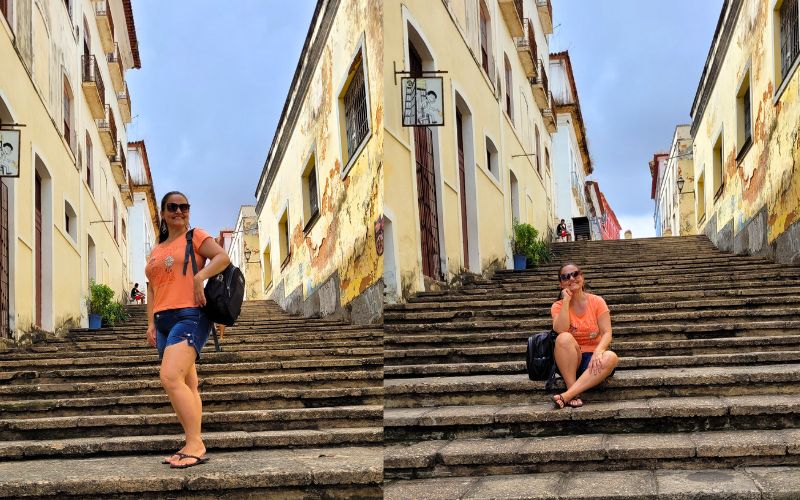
(568,357)
(588,380)
(177,372)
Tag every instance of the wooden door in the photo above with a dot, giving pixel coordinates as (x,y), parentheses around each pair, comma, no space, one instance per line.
(38,251)
(426,189)
(5,330)
(462,181)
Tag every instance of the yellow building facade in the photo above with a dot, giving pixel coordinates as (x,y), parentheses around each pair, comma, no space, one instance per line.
(452,191)
(62,82)
(746,131)
(320,195)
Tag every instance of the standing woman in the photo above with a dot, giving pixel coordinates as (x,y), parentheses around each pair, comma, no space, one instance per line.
(176,324)
(583,323)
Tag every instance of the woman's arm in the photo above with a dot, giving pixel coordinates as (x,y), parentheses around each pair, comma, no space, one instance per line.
(604,322)
(151,322)
(561,321)
(219,261)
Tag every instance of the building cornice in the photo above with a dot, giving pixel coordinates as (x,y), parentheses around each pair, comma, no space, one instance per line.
(126,4)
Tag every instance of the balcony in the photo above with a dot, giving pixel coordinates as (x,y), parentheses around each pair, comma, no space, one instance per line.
(107,128)
(526,49)
(541,90)
(512,14)
(105,24)
(549,115)
(116,69)
(119,165)
(545,9)
(124,101)
(93,87)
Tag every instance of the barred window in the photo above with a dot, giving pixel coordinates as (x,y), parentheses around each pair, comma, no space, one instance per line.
(790,35)
(356,111)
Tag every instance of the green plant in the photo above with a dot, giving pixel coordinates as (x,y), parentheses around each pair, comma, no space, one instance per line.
(100,301)
(525,241)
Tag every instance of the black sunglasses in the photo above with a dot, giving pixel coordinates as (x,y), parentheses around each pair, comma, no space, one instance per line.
(173,207)
(567,276)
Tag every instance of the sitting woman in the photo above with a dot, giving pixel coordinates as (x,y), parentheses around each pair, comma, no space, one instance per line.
(583,323)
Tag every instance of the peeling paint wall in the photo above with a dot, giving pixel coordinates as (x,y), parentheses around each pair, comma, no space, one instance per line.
(449,33)
(762,187)
(341,242)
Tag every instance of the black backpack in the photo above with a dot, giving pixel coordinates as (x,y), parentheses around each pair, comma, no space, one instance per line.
(224,292)
(539,358)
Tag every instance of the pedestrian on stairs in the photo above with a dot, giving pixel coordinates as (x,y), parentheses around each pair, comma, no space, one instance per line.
(176,324)
(583,323)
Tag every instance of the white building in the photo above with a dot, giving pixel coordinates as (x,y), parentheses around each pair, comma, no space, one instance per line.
(571,161)
(142,231)
(243,251)
(673,216)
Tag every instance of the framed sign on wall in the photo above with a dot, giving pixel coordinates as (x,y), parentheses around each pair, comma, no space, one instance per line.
(423,101)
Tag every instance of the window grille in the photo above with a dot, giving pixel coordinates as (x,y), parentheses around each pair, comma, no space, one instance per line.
(790,35)
(312,192)
(356,111)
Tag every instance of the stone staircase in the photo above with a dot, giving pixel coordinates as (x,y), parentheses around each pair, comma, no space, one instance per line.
(291,407)
(705,402)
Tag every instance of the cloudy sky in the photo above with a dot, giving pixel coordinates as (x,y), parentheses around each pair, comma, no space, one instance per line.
(637,64)
(215,75)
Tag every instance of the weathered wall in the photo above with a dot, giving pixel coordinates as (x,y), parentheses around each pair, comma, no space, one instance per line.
(449,32)
(341,244)
(759,208)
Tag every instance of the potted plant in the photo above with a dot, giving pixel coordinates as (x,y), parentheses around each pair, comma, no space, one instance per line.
(97,303)
(526,244)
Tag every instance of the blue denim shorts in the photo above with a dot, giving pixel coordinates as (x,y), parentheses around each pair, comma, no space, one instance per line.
(586,358)
(176,325)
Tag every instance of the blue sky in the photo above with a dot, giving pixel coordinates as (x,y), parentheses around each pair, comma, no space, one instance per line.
(637,64)
(207,99)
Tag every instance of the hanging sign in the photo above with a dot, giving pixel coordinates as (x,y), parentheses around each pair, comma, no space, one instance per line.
(9,153)
(422,102)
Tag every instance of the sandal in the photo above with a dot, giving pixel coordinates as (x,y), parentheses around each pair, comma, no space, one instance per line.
(166,461)
(558,401)
(575,402)
(198,461)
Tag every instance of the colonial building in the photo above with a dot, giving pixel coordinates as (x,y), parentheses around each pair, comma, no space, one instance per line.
(142,215)
(454,190)
(672,187)
(571,160)
(602,219)
(319,198)
(243,251)
(62,85)
(745,120)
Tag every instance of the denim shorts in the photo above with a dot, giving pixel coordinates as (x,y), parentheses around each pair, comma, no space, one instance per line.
(176,325)
(586,358)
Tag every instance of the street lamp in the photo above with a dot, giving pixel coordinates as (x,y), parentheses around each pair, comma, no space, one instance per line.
(681,182)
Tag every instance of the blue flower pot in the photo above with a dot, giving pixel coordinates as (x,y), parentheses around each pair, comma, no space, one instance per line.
(95,321)
(520,262)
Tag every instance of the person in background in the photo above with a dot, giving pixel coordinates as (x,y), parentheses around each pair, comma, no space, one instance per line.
(136,295)
(561,231)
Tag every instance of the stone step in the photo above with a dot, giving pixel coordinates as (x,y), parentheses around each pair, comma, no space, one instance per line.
(155,402)
(537,417)
(108,373)
(319,472)
(596,452)
(322,379)
(625,384)
(719,483)
(507,367)
(167,443)
(674,259)
(516,351)
(47,428)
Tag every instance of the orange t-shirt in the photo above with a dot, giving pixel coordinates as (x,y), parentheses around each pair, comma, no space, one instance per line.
(584,328)
(164,270)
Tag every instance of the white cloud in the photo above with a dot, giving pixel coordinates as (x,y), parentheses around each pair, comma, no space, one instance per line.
(641,225)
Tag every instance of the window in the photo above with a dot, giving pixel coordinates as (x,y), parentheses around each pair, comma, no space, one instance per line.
(744,132)
(310,193)
(509,88)
(356,110)
(484,25)
(547,160)
(789,38)
(491,159)
(267,268)
(70,221)
(114,220)
(124,229)
(717,167)
(538,151)
(89,162)
(68,114)
(284,243)
(701,196)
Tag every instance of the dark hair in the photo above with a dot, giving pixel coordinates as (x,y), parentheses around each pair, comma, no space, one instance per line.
(565,264)
(9,145)
(432,92)
(163,230)
(136,285)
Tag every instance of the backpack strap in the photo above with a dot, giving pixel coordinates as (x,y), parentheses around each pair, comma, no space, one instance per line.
(189,253)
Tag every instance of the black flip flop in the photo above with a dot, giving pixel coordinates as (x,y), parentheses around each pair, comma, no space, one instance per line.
(199,460)
(167,462)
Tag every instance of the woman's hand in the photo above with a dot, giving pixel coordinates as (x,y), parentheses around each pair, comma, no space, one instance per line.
(596,365)
(151,335)
(199,293)
(566,294)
